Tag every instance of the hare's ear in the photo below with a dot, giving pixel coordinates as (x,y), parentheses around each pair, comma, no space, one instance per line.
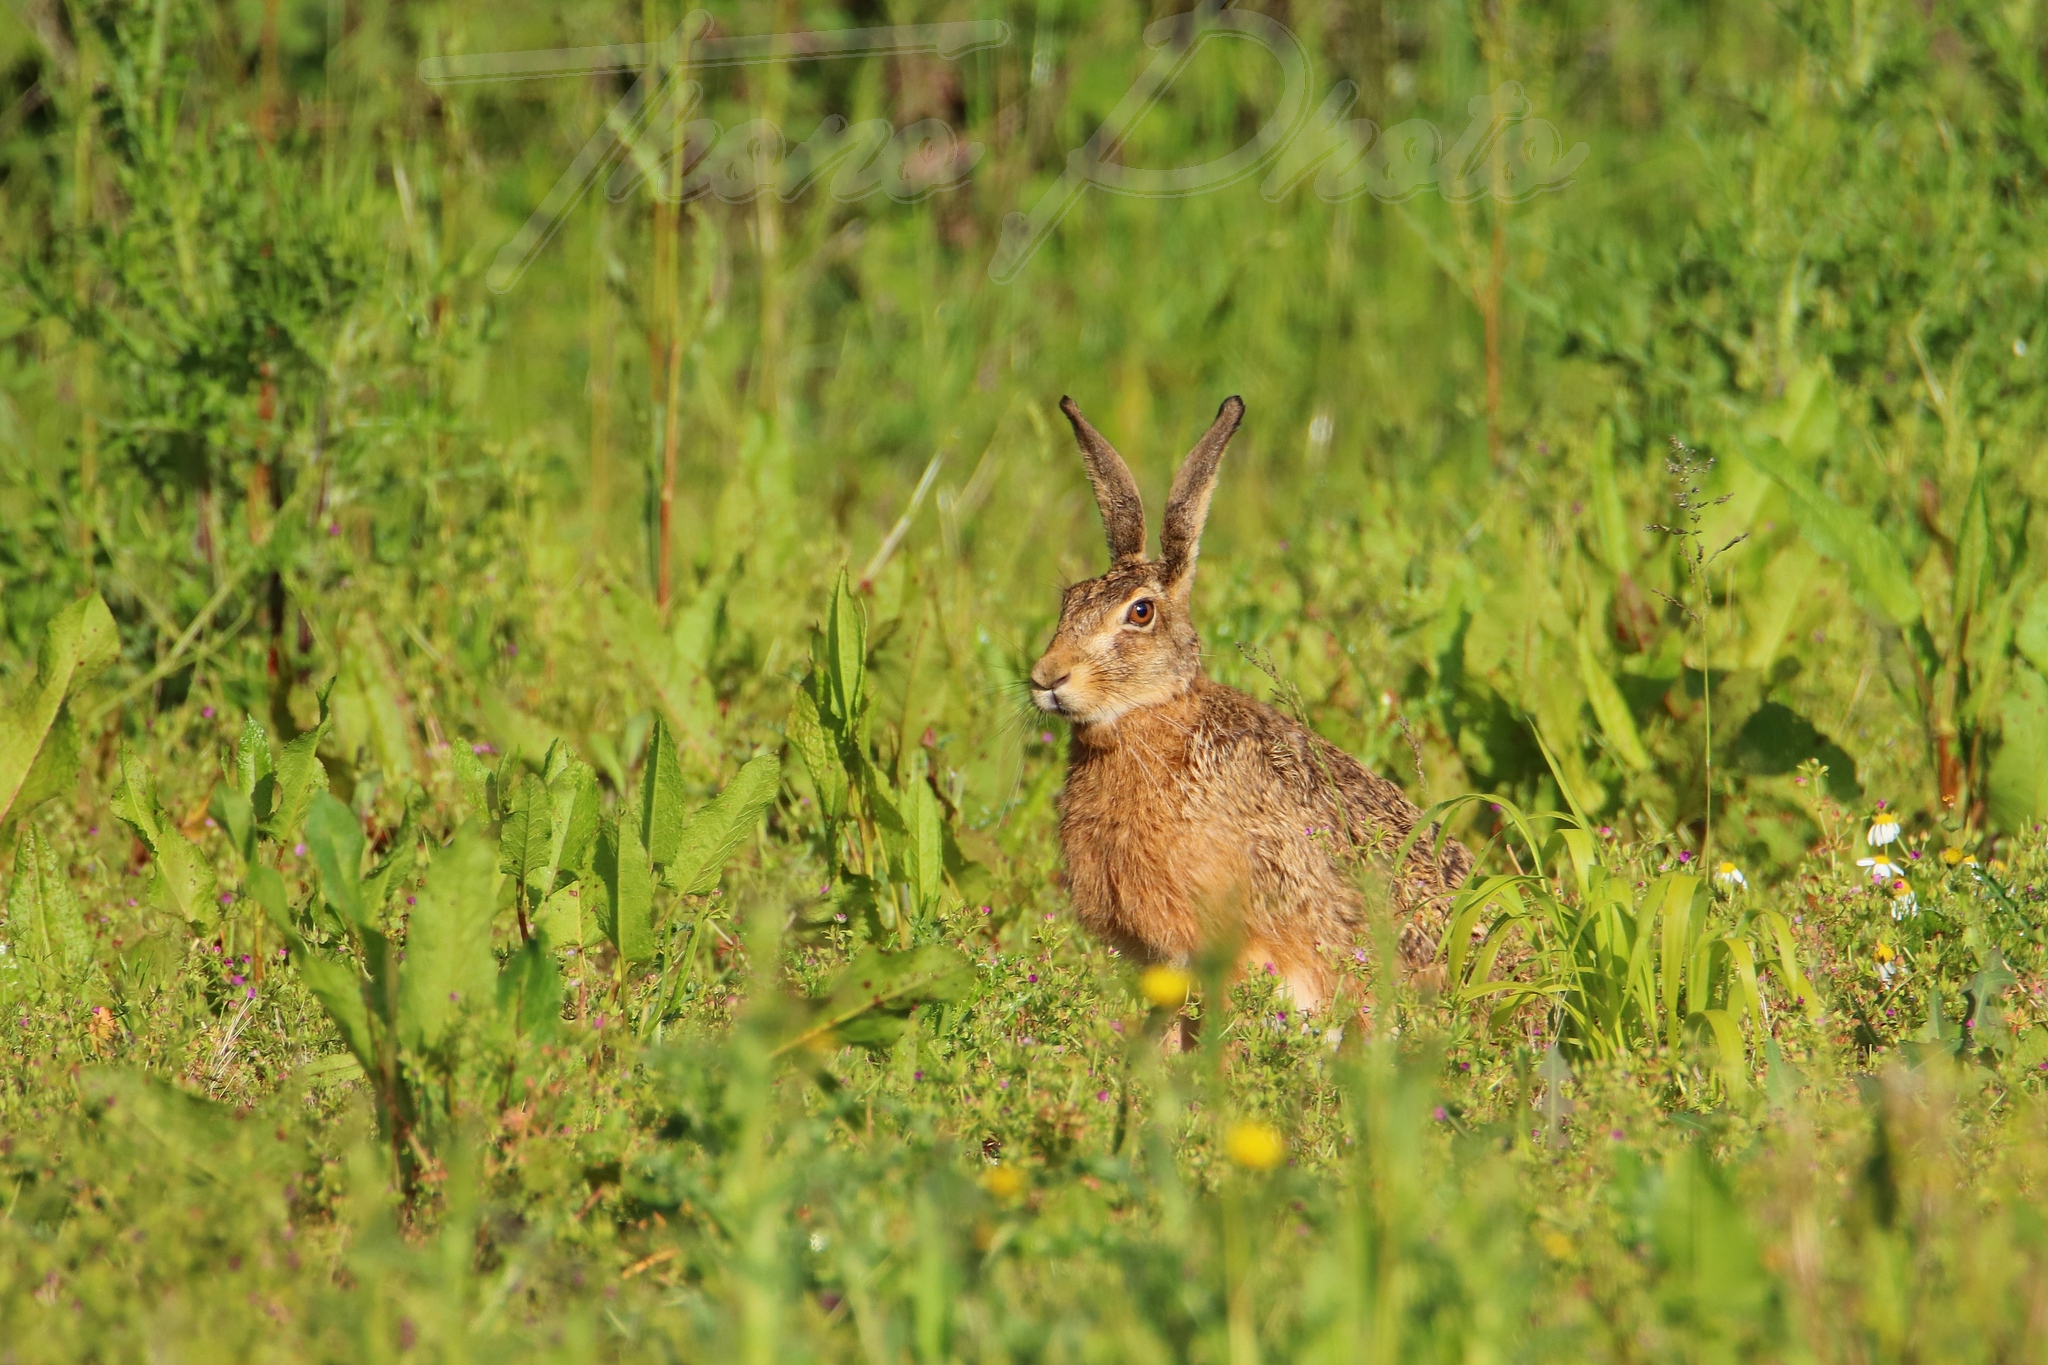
(1187,507)
(1116,492)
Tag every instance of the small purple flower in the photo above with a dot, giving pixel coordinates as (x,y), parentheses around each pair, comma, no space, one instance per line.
(1032,978)
(299,850)
(597,1021)
(236,979)
(1101,1095)
(206,712)
(1615,1133)
(1684,855)
(917,1075)
(1438,1114)
(333,528)
(481,749)
(1045,736)
(131,900)
(1003,1084)
(249,994)
(227,898)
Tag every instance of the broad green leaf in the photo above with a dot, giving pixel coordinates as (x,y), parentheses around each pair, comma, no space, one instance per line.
(661,797)
(1727,1036)
(1610,521)
(395,872)
(1609,707)
(338,986)
(560,916)
(253,759)
(530,990)
(79,641)
(1877,574)
(300,774)
(721,827)
(448,962)
(334,841)
(629,890)
(846,653)
(184,883)
(479,784)
(2017,785)
(55,770)
(43,919)
(2031,636)
(870,1002)
(526,835)
(819,754)
(923,858)
(573,805)
(237,818)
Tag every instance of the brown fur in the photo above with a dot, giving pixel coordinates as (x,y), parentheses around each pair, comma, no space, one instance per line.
(1193,814)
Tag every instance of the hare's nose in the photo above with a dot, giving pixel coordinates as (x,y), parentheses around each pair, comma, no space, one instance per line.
(1050,686)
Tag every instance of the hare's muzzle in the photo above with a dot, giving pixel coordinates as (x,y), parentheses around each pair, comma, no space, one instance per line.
(1045,687)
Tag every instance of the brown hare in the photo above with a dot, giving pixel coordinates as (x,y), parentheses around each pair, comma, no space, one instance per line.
(1194,815)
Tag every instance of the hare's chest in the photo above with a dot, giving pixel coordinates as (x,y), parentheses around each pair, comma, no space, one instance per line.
(1146,866)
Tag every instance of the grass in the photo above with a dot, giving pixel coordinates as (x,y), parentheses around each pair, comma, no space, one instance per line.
(258,396)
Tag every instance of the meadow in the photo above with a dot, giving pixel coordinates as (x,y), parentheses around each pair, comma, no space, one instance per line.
(524,833)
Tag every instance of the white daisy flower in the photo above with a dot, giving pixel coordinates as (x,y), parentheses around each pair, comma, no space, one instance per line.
(1883,829)
(1882,869)
(1903,902)
(1730,876)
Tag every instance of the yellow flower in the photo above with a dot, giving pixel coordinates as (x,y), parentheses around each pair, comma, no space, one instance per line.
(1255,1146)
(1556,1243)
(1952,856)
(1166,987)
(1003,1182)
(1884,952)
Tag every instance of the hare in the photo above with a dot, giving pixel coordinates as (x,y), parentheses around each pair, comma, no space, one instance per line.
(1194,815)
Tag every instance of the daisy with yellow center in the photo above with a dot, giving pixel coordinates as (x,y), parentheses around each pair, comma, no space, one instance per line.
(1884,827)
(1882,869)
(1730,876)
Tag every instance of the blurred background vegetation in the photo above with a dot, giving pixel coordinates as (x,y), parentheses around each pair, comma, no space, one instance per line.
(1710,471)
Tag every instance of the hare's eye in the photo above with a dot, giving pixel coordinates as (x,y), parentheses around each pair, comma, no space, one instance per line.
(1140,613)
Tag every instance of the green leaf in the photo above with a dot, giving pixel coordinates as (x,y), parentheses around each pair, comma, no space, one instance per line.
(526,835)
(338,986)
(334,841)
(530,991)
(300,774)
(479,785)
(2031,636)
(922,861)
(1616,548)
(721,827)
(253,759)
(55,770)
(2016,788)
(43,918)
(806,734)
(237,818)
(79,641)
(448,962)
(846,654)
(661,797)
(184,882)
(629,890)
(573,805)
(396,871)
(870,1002)
(1609,707)
(1877,573)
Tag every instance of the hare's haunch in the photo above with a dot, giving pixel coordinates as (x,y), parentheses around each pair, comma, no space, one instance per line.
(1192,813)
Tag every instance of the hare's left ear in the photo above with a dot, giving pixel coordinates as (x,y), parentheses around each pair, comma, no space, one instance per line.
(1187,506)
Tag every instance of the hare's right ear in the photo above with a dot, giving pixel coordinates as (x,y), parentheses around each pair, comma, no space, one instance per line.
(1187,506)
(1116,492)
